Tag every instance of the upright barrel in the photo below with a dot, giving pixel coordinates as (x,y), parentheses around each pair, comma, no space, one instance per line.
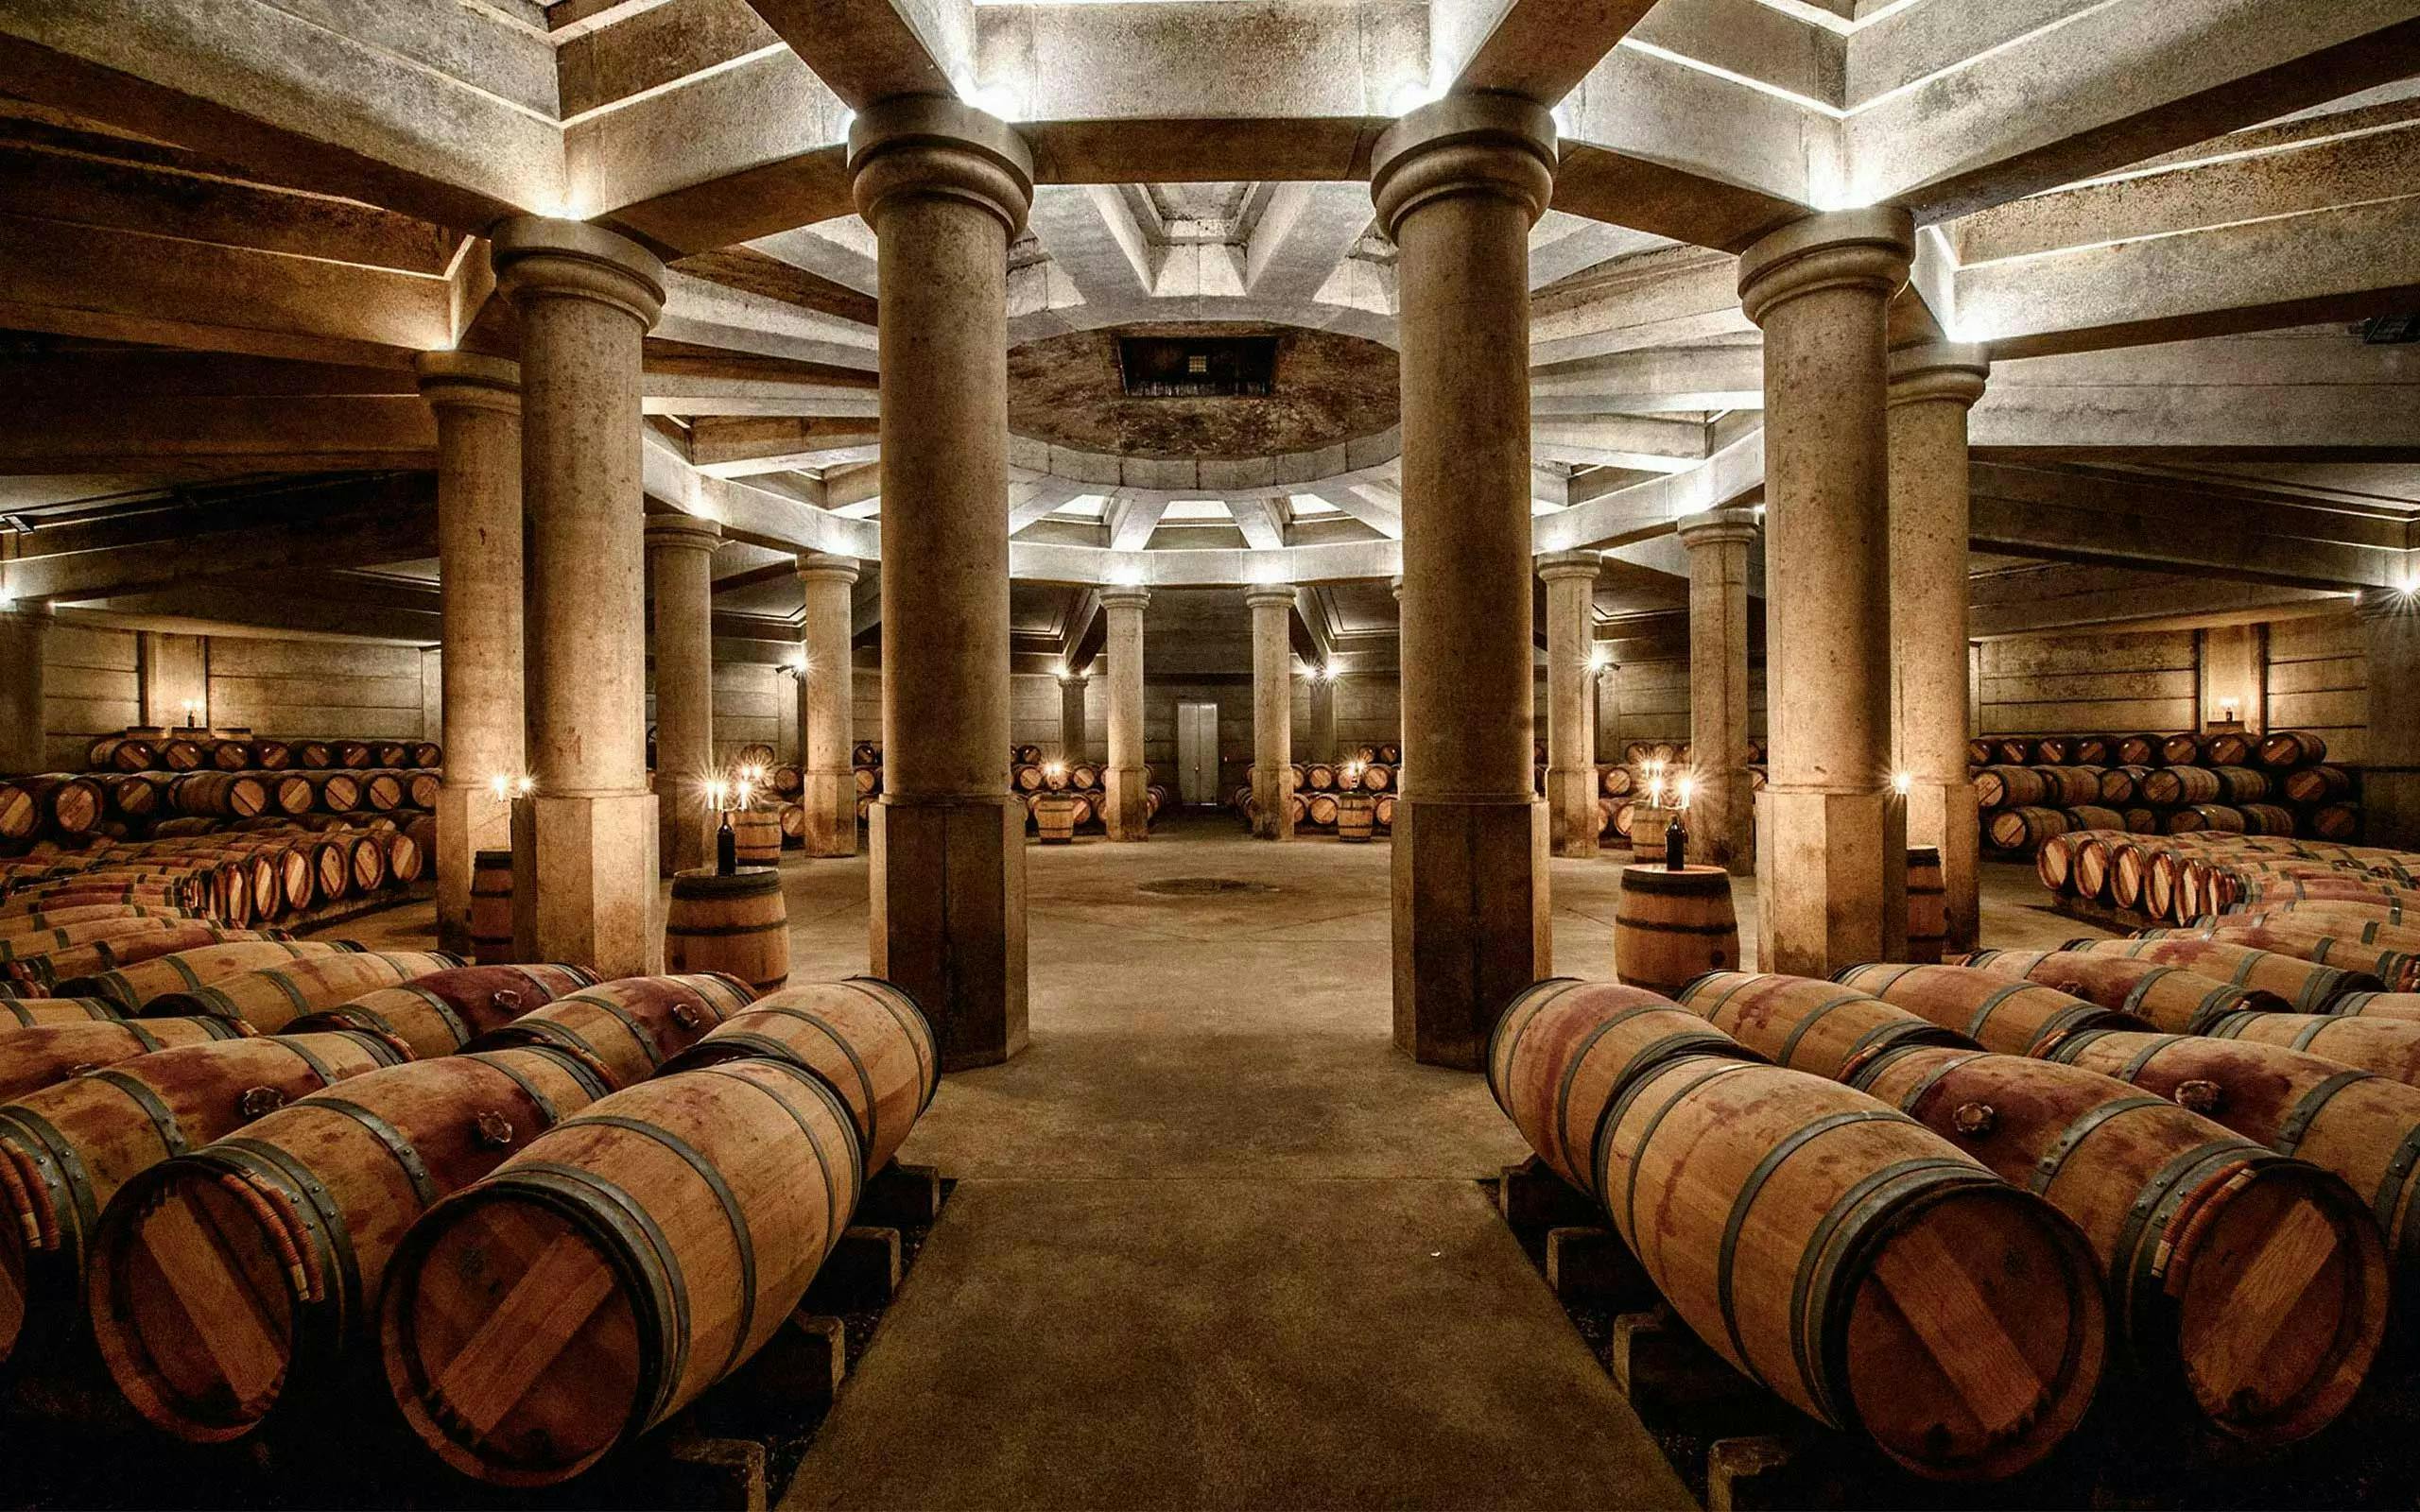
(1927,905)
(491,908)
(738,924)
(1672,926)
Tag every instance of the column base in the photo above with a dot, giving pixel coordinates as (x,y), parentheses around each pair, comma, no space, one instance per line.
(1470,904)
(830,799)
(1272,818)
(469,818)
(584,883)
(1947,815)
(1571,811)
(1831,880)
(1126,811)
(949,924)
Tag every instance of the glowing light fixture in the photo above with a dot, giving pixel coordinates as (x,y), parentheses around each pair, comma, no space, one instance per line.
(1900,782)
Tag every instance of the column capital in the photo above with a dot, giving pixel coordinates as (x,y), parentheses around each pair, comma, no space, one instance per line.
(1273,593)
(541,257)
(926,145)
(468,380)
(1499,145)
(2387,603)
(1869,248)
(1394,589)
(826,567)
(1939,370)
(1555,564)
(1075,679)
(1714,527)
(1125,595)
(680,532)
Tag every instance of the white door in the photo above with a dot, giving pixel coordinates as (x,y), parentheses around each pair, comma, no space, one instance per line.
(1196,752)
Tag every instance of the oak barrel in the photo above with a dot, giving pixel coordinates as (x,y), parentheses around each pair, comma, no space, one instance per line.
(2305,986)
(617,1266)
(1671,927)
(2383,1046)
(1357,814)
(271,997)
(2023,829)
(132,987)
(1054,818)
(2253,1281)
(439,1013)
(757,837)
(225,1279)
(2395,963)
(17,1012)
(2013,1018)
(864,1035)
(43,1054)
(491,908)
(1808,1024)
(109,952)
(738,924)
(630,1025)
(2353,1006)
(1858,1265)
(1928,904)
(2291,747)
(2166,997)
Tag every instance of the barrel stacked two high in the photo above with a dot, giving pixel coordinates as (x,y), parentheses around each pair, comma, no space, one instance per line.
(2235,1208)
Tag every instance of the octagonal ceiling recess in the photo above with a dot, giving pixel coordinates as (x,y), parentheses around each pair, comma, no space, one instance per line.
(1329,389)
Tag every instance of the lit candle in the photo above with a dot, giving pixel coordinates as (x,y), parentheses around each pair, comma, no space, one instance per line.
(526,786)
(503,786)
(1900,782)
(1687,786)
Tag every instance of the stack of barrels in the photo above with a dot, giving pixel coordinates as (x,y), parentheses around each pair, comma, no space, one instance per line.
(1625,789)
(1906,1200)
(2130,878)
(1072,795)
(2032,787)
(1316,791)
(139,787)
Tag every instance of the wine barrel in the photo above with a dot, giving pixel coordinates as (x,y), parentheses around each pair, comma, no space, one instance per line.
(271,997)
(1979,752)
(1319,777)
(2266,818)
(629,1026)
(669,1229)
(864,1035)
(231,755)
(2011,1018)
(427,753)
(46,918)
(1357,814)
(313,754)
(2121,785)
(17,1013)
(2023,829)
(757,835)
(2209,816)
(1383,813)
(1027,777)
(224,1279)
(1671,927)
(2305,986)
(2351,1005)
(2136,750)
(66,1149)
(2053,751)
(2067,787)
(1819,1027)
(1564,1052)
(2181,749)
(491,908)
(2240,784)
(1376,778)
(2093,750)
(123,753)
(1928,904)
(2012,751)
(736,924)
(2291,747)
(112,952)
(179,754)
(382,790)
(439,1013)
(868,780)
(354,754)
(1322,810)
(2253,1281)
(220,795)
(132,987)
(272,755)
(338,791)
(2010,787)
(420,789)
(43,1054)
(1054,818)
(2226,747)
(2173,786)
(2382,1045)
(17,945)
(2166,997)
(793,823)
(2316,784)
(1855,1263)
(2396,968)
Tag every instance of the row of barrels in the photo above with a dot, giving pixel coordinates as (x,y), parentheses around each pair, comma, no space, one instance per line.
(66,805)
(2023,806)
(240,1218)
(2183,878)
(1354,812)
(1917,1202)
(2280,751)
(195,753)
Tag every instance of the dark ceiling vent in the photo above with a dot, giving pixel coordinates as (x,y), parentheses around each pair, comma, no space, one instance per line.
(2390,330)
(1198,367)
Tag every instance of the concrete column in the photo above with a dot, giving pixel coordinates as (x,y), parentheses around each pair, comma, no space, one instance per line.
(1571,733)
(584,843)
(945,188)
(1273,712)
(827,707)
(1831,835)
(1322,736)
(477,403)
(1071,716)
(1129,814)
(2390,767)
(1722,815)
(1931,390)
(1458,183)
(681,558)
(24,630)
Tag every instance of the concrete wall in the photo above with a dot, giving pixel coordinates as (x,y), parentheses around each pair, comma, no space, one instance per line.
(92,685)
(2319,681)
(2099,684)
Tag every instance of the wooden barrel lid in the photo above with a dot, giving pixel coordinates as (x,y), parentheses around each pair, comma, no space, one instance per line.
(744,882)
(1974,1341)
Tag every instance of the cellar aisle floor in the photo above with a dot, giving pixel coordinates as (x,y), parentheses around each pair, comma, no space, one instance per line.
(1214,1243)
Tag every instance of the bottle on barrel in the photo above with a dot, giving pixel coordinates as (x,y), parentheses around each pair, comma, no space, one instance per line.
(726,840)
(1676,834)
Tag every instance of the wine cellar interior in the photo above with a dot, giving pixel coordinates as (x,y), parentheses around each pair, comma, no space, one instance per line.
(1210,753)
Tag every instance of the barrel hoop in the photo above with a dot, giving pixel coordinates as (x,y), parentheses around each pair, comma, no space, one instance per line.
(1917,1094)
(2045,1170)
(142,1035)
(444,1010)
(2133,1003)
(1727,1255)
(163,1122)
(1884,1037)
(1504,1054)
(1822,1260)
(2392,1182)
(864,1080)
(323,1220)
(1993,1000)
(1612,1120)
(2304,1036)
(415,1169)
(1843,975)
(731,1213)
(2140,1059)
(633,1245)
(293,1045)
(1710,1009)
(1653,927)
(60,1166)
(725,931)
(920,1033)
(1789,1045)
(2307,1108)
(2140,1259)
(545,1105)
(1571,1073)
(614,1010)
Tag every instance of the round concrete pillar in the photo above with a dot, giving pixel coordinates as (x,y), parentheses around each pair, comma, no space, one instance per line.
(1129,814)
(1458,183)
(1931,390)
(1721,832)
(584,844)
(1273,712)
(1571,727)
(2391,764)
(477,403)
(681,556)
(945,188)
(25,634)
(827,705)
(1832,836)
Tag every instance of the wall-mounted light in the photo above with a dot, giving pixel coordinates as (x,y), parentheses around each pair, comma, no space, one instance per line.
(1601,659)
(1901,782)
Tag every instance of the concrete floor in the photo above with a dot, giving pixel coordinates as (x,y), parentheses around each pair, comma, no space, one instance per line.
(1214,1242)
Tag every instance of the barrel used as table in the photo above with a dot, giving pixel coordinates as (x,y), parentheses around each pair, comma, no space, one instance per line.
(738,923)
(1357,814)
(1928,904)
(1671,927)
(491,908)
(1054,818)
